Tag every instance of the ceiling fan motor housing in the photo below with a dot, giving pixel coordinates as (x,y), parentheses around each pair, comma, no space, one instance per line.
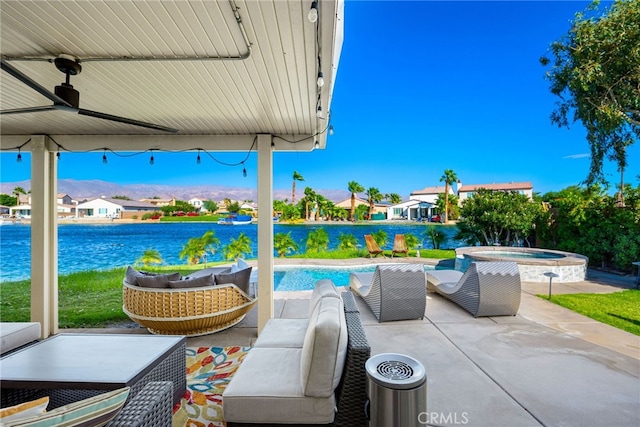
(69,94)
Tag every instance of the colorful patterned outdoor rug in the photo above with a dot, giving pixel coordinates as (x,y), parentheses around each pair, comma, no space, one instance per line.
(209,370)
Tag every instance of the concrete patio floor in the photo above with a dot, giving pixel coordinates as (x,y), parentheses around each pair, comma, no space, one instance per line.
(546,366)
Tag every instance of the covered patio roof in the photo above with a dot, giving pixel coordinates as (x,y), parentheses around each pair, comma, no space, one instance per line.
(171,75)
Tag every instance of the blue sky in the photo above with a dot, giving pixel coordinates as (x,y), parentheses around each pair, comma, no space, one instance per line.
(422,86)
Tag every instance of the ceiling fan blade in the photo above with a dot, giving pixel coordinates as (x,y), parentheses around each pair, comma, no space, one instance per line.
(104,116)
(32,83)
(28,110)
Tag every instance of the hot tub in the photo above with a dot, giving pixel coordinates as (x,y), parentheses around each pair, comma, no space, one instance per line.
(532,262)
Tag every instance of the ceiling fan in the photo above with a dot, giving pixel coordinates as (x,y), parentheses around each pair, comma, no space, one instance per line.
(65,97)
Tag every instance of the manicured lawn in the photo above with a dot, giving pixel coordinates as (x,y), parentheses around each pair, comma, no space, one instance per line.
(619,309)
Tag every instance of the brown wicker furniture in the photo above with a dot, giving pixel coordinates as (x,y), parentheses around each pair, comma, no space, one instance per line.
(186,311)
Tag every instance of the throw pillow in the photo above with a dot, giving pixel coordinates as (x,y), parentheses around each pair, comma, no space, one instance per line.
(242,264)
(195,282)
(148,279)
(240,279)
(24,410)
(93,412)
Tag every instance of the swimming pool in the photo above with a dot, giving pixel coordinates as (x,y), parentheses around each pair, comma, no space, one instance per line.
(304,278)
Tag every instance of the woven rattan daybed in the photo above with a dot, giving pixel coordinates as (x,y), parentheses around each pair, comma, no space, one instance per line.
(186,311)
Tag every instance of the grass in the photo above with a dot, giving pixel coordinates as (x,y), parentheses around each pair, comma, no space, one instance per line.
(618,309)
(93,299)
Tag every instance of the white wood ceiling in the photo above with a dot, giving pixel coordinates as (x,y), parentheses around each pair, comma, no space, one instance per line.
(209,82)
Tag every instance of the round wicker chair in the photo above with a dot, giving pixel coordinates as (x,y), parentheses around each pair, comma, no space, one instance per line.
(186,311)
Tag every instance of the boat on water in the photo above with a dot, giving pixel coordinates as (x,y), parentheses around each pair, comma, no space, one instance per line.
(235,220)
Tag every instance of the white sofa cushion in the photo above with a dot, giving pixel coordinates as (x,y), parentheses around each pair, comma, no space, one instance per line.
(16,334)
(290,333)
(324,349)
(266,388)
(282,333)
(323,288)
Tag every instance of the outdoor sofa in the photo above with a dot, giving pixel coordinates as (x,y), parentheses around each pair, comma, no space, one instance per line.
(205,302)
(304,371)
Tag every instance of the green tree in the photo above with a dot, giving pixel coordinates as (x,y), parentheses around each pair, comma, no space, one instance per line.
(411,240)
(393,198)
(449,178)
(197,247)
(210,205)
(121,197)
(317,240)
(373,196)
(451,202)
(497,218)
(595,72)
(310,197)
(283,243)
(361,211)
(353,188)
(149,256)
(296,177)
(237,248)
(233,207)
(7,200)
(381,238)
(435,235)
(347,241)
(17,191)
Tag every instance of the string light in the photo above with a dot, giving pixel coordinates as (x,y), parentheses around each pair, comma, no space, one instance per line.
(244,170)
(316,145)
(313,12)
(320,81)
(104,157)
(19,159)
(331,130)
(319,112)
(198,160)
(151,160)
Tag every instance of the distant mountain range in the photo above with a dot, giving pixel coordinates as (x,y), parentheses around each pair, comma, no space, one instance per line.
(91,189)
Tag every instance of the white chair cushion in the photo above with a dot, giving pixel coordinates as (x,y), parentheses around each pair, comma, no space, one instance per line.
(266,388)
(242,264)
(283,333)
(324,349)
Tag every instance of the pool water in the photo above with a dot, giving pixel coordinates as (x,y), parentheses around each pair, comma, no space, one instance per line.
(304,278)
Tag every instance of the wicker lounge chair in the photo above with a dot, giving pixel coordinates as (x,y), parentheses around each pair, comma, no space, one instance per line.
(399,246)
(485,289)
(186,311)
(393,291)
(372,246)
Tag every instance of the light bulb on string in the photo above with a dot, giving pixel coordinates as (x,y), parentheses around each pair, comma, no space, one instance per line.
(19,159)
(198,160)
(313,12)
(151,160)
(104,157)
(244,172)
(316,145)
(331,130)
(320,81)
(319,112)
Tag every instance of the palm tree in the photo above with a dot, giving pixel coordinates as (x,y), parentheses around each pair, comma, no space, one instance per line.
(197,247)
(393,198)
(283,243)
(296,177)
(310,196)
(149,256)
(18,191)
(237,248)
(448,177)
(373,196)
(354,188)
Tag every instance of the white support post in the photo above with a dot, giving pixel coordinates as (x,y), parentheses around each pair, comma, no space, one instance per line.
(265,230)
(44,236)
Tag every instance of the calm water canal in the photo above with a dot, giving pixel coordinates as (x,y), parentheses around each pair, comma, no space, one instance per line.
(103,246)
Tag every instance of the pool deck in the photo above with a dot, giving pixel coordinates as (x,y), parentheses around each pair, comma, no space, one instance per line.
(546,366)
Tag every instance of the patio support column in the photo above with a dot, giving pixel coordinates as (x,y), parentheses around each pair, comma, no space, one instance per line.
(44,236)
(265,230)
